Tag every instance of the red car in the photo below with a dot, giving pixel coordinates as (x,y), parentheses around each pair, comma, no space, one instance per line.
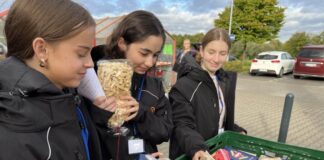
(310,62)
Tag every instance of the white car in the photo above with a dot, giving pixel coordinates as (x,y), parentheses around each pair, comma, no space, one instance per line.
(272,62)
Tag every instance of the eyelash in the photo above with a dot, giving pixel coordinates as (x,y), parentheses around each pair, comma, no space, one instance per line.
(82,55)
(146,54)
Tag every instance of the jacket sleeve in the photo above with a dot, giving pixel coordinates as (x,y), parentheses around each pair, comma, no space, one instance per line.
(154,123)
(185,133)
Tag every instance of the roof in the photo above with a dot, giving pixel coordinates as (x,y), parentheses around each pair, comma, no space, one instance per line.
(314,46)
(272,52)
(106,25)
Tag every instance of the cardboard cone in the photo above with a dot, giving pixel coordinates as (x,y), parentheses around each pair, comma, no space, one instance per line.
(90,86)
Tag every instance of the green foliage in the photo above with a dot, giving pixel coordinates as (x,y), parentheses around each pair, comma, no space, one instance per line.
(237,48)
(253,20)
(317,39)
(238,66)
(275,45)
(196,38)
(295,42)
(252,48)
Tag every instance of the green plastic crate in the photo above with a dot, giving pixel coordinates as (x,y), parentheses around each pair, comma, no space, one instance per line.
(260,147)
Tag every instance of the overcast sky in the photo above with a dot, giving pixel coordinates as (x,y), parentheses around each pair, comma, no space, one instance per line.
(193,16)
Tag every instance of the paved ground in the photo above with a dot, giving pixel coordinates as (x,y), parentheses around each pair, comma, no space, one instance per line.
(259,106)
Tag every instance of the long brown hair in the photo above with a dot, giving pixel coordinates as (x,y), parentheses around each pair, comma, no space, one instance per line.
(52,20)
(135,27)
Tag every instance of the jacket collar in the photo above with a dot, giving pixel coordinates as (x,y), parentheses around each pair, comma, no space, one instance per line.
(17,75)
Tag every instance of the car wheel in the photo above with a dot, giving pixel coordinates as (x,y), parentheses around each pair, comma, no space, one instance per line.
(252,73)
(296,77)
(280,73)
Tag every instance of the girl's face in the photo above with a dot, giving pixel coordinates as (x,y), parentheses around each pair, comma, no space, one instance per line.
(143,55)
(69,59)
(214,55)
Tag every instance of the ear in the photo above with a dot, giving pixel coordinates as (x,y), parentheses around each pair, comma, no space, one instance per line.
(122,44)
(39,47)
(201,51)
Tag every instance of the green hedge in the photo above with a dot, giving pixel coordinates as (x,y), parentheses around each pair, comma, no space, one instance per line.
(238,66)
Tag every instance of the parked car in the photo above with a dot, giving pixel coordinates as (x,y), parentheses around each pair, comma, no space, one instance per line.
(272,62)
(310,62)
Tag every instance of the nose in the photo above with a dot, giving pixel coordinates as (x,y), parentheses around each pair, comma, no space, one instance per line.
(89,63)
(149,61)
(216,57)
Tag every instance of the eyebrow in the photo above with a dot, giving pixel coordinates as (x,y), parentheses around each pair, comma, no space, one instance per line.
(85,47)
(148,50)
(215,50)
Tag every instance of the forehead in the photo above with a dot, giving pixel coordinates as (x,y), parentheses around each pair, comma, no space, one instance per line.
(153,43)
(86,36)
(217,45)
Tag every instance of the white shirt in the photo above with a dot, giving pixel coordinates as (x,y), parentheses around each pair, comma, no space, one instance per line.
(221,102)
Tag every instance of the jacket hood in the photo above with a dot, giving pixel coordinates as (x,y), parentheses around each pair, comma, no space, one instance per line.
(15,74)
(29,101)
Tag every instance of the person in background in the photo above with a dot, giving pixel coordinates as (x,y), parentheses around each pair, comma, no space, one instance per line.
(186,50)
(139,38)
(203,98)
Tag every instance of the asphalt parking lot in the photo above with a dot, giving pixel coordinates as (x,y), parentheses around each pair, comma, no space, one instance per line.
(259,106)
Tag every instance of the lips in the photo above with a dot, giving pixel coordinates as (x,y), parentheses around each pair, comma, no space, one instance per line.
(214,65)
(82,74)
(140,69)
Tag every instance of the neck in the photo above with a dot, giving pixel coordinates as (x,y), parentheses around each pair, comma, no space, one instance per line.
(204,68)
(186,50)
(34,64)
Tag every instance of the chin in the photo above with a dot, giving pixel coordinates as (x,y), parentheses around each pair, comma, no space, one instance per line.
(140,72)
(73,84)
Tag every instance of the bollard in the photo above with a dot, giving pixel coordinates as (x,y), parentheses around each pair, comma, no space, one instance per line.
(285,118)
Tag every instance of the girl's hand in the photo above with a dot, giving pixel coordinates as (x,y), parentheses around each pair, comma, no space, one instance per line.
(199,155)
(106,103)
(132,106)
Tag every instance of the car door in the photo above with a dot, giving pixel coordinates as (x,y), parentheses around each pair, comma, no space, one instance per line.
(291,62)
(284,62)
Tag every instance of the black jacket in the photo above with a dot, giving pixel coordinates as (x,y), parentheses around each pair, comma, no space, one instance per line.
(195,108)
(153,122)
(179,59)
(37,120)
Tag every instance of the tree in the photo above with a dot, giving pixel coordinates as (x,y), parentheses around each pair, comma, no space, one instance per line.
(253,20)
(237,48)
(295,42)
(252,49)
(317,39)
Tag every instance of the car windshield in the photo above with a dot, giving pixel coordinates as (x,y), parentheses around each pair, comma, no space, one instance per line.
(311,53)
(267,57)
